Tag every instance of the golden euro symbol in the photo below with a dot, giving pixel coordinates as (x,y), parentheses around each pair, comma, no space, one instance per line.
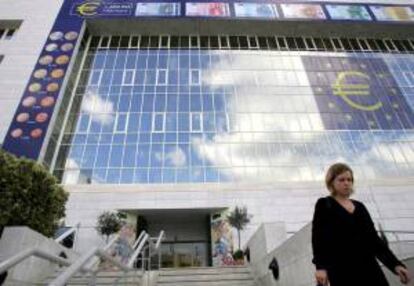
(344,90)
(88,8)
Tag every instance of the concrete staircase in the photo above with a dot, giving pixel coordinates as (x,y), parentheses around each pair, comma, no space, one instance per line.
(102,278)
(206,276)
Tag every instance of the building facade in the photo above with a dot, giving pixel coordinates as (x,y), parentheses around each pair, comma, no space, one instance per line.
(176,112)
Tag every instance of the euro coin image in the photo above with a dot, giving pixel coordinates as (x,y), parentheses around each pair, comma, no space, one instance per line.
(40,73)
(41,117)
(54,36)
(70,36)
(45,60)
(16,133)
(57,73)
(62,60)
(36,133)
(22,117)
(52,87)
(29,101)
(47,101)
(35,87)
(51,47)
(67,47)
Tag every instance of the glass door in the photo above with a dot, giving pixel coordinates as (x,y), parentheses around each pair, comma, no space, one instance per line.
(184,254)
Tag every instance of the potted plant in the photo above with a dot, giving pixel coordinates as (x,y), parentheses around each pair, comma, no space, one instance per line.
(109,223)
(238,219)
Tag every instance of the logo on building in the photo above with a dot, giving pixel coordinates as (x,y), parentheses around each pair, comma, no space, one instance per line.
(346,89)
(88,8)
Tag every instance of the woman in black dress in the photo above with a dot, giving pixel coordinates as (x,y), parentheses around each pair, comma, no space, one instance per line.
(344,240)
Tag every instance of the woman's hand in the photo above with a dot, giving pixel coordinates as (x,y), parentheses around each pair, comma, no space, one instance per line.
(321,277)
(403,273)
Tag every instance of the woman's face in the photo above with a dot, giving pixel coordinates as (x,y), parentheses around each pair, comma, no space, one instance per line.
(343,183)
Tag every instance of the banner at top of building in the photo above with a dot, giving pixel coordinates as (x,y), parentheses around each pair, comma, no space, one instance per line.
(270,10)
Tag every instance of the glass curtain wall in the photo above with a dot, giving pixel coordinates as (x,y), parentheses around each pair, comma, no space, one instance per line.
(165,109)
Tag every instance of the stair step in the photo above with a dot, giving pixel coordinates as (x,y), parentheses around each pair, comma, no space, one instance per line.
(194,271)
(206,277)
(209,283)
(102,278)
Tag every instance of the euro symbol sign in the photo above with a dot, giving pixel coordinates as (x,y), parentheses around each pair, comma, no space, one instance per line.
(345,90)
(88,8)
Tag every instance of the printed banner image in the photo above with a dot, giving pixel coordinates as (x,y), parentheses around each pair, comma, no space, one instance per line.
(393,13)
(348,12)
(158,9)
(211,9)
(255,10)
(361,95)
(303,11)
(32,118)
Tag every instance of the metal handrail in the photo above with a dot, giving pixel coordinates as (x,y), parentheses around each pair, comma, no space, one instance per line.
(68,232)
(138,239)
(112,241)
(158,247)
(95,254)
(94,261)
(81,262)
(19,257)
(138,250)
(160,237)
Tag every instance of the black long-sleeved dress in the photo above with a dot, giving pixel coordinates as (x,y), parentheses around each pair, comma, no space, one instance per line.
(346,245)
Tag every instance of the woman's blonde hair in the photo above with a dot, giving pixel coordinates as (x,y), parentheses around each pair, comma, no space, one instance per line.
(334,171)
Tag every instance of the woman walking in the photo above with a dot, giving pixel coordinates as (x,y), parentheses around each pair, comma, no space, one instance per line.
(344,240)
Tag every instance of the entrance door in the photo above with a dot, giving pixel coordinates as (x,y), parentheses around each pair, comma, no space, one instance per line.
(185,254)
(187,236)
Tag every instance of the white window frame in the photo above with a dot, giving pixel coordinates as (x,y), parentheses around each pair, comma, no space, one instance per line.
(198,79)
(130,42)
(191,121)
(357,43)
(158,77)
(338,40)
(124,77)
(286,47)
(308,48)
(365,43)
(411,42)
(99,80)
(154,115)
(168,42)
(391,48)
(255,40)
(227,40)
(117,119)
(100,42)
(6,31)
(88,125)
(198,41)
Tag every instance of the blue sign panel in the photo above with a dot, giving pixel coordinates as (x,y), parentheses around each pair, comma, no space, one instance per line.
(361,94)
(31,120)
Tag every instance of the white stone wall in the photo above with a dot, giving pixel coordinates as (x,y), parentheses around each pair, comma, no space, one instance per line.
(294,258)
(32,269)
(389,202)
(21,52)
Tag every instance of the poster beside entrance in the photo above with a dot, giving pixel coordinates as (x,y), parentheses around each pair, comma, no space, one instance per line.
(221,240)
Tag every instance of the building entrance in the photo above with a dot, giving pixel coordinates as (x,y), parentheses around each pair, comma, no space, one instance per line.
(187,235)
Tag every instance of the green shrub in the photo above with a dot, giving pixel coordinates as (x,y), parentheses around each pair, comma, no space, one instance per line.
(29,195)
